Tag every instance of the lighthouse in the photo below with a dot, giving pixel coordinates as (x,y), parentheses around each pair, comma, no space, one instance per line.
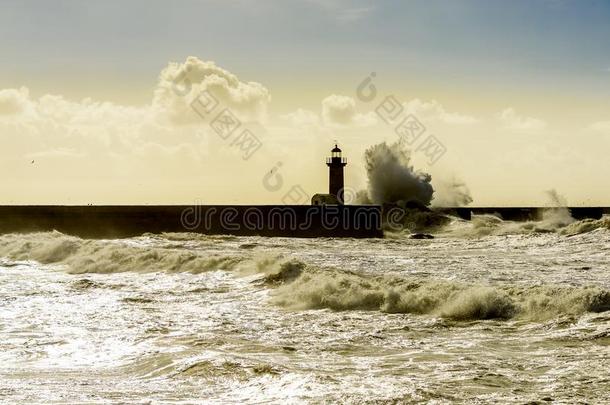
(335,164)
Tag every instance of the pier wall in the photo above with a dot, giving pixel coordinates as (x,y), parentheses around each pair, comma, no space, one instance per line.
(357,221)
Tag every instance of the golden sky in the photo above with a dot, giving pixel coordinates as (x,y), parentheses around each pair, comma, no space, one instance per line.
(92,109)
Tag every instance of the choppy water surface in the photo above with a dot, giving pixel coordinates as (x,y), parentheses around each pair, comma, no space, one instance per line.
(487,311)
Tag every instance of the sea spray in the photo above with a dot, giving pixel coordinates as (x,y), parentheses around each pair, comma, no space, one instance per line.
(450,193)
(553,220)
(392,177)
(405,192)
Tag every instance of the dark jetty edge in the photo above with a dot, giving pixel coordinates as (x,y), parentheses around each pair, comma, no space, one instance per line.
(306,221)
(356,221)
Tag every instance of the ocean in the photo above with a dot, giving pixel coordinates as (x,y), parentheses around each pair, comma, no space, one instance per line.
(489,311)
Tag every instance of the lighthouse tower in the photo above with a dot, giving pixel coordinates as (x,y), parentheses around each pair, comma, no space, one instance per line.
(335,164)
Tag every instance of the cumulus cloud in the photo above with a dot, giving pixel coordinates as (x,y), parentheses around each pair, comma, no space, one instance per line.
(302,118)
(510,119)
(338,110)
(433,110)
(165,139)
(80,143)
(56,124)
(180,83)
(14,101)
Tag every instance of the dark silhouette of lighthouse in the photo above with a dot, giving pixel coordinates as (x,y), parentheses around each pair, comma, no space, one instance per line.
(335,164)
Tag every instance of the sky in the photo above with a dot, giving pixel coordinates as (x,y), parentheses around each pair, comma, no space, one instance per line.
(516,93)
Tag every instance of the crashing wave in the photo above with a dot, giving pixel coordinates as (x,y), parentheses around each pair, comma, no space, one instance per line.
(554,220)
(341,291)
(587,225)
(296,285)
(107,256)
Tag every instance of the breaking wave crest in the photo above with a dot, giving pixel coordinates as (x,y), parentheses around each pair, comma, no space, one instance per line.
(297,285)
(587,225)
(557,220)
(104,256)
(301,287)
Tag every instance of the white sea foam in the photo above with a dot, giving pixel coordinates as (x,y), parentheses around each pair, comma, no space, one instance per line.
(103,256)
(308,288)
(175,318)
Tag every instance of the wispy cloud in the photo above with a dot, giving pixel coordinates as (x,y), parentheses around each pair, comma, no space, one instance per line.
(600,126)
(353,14)
(433,110)
(516,122)
(344,11)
